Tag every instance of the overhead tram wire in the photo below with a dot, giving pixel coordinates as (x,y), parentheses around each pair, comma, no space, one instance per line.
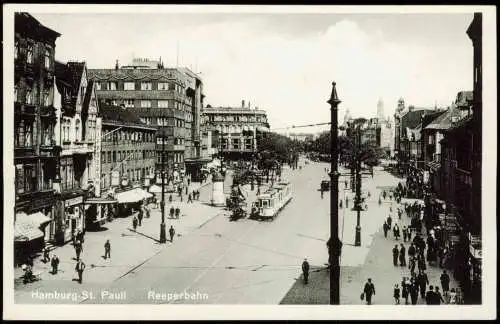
(301,126)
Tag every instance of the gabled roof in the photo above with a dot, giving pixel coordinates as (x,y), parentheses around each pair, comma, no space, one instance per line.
(88,96)
(26,24)
(444,121)
(69,76)
(412,118)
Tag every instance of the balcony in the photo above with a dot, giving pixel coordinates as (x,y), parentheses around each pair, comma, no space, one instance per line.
(35,200)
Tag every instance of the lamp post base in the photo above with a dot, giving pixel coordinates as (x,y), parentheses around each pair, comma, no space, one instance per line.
(357,240)
(163,233)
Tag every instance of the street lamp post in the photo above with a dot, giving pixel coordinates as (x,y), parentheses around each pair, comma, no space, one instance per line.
(357,203)
(334,244)
(163,233)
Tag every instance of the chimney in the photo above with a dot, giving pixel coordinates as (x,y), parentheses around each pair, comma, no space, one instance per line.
(116,65)
(242,103)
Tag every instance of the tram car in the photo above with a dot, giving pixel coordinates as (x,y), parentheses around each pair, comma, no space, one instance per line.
(272,201)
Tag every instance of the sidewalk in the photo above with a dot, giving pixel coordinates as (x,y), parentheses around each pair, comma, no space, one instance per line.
(316,292)
(128,248)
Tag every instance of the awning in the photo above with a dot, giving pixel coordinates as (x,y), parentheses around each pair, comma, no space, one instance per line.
(144,193)
(27,227)
(100,200)
(131,196)
(155,189)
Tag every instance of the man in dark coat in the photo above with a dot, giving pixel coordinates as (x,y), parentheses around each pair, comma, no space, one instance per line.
(422,281)
(140,216)
(438,298)
(411,250)
(414,293)
(395,254)
(429,297)
(386,228)
(389,221)
(54,262)
(305,271)
(369,291)
(445,282)
(79,268)
(171,231)
(402,256)
(107,250)
(78,249)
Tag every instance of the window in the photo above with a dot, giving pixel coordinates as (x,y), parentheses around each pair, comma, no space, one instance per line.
(129,103)
(29,177)
(163,86)
(146,86)
(29,54)
(145,103)
(77,130)
(98,85)
(112,86)
(47,58)
(29,96)
(171,86)
(16,49)
(129,86)
(103,157)
(119,156)
(46,98)
(82,93)
(162,103)
(46,134)
(110,160)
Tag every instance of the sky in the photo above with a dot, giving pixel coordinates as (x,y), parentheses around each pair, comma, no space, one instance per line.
(285,63)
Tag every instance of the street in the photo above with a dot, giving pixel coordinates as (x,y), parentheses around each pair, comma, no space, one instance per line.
(217,261)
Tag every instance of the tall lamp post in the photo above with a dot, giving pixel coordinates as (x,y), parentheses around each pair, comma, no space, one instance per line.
(357,202)
(334,244)
(163,233)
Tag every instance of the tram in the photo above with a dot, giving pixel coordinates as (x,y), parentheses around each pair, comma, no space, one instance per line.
(272,201)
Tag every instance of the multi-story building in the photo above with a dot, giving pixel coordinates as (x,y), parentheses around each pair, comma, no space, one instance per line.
(169,99)
(76,132)
(128,156)
(300,137)
(234,132)
(35,148)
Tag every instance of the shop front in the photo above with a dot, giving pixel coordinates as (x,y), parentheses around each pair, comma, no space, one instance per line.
(98,211)
(29,234)
(129,199)
(70,217)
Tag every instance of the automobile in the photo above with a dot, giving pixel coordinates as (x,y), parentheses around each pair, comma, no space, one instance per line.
(325,185)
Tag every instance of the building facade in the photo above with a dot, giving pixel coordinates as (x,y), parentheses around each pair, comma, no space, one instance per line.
(76,133)
(35,149)
(169,99)
(234,132)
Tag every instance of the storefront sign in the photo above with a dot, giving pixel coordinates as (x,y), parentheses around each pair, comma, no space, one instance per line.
(73,201)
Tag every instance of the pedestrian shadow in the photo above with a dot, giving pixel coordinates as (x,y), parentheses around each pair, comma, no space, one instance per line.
(145,235)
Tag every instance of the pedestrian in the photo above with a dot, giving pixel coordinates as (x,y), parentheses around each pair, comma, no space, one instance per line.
(186,191)
(429,296)
(422,281)
(190,199)
(453,297)
(177,212)
(402,256)
(405,233)
(411,250)
(321,190)
(379,201)
(305,271)
(170,199)
(395,254)
(384,194)
(408,233)
(171,231)
(445,282)
(78,249)
(438,298)
(414,293)
(396,231)
(369,291)
(107,250)
(140,217)
(79,268)
(172,212)
(182,198)
(54,262)
(396,294)
(405,291)
(134,222)
(46,257)
(412,262)
(386,228)
(346,202)
(340,204)
(389,221)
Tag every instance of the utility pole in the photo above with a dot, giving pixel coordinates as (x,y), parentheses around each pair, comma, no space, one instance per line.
(334,244)
(163,233)
(357,202)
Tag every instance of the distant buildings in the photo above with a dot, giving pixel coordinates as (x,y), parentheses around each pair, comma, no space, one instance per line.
(233,131)
(301,137)
(36,152)
(169,99)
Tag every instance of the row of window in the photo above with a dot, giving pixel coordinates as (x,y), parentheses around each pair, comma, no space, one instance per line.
(173,157)
(29,52)
(132,175)
(68,181)
(119,156)
(25,134)
(30,97)
(236,144)
(235,118)
(143,86)
(27,178)
(177,140)
(127,135)
(131,103)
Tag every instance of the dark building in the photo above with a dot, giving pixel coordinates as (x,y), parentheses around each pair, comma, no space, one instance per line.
(35,149)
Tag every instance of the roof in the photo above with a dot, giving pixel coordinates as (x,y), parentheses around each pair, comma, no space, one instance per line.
(443,121)
(464,98)
(167,74)
(412,118)
(69,76)
(119,115)
(232,110)
(26,24)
